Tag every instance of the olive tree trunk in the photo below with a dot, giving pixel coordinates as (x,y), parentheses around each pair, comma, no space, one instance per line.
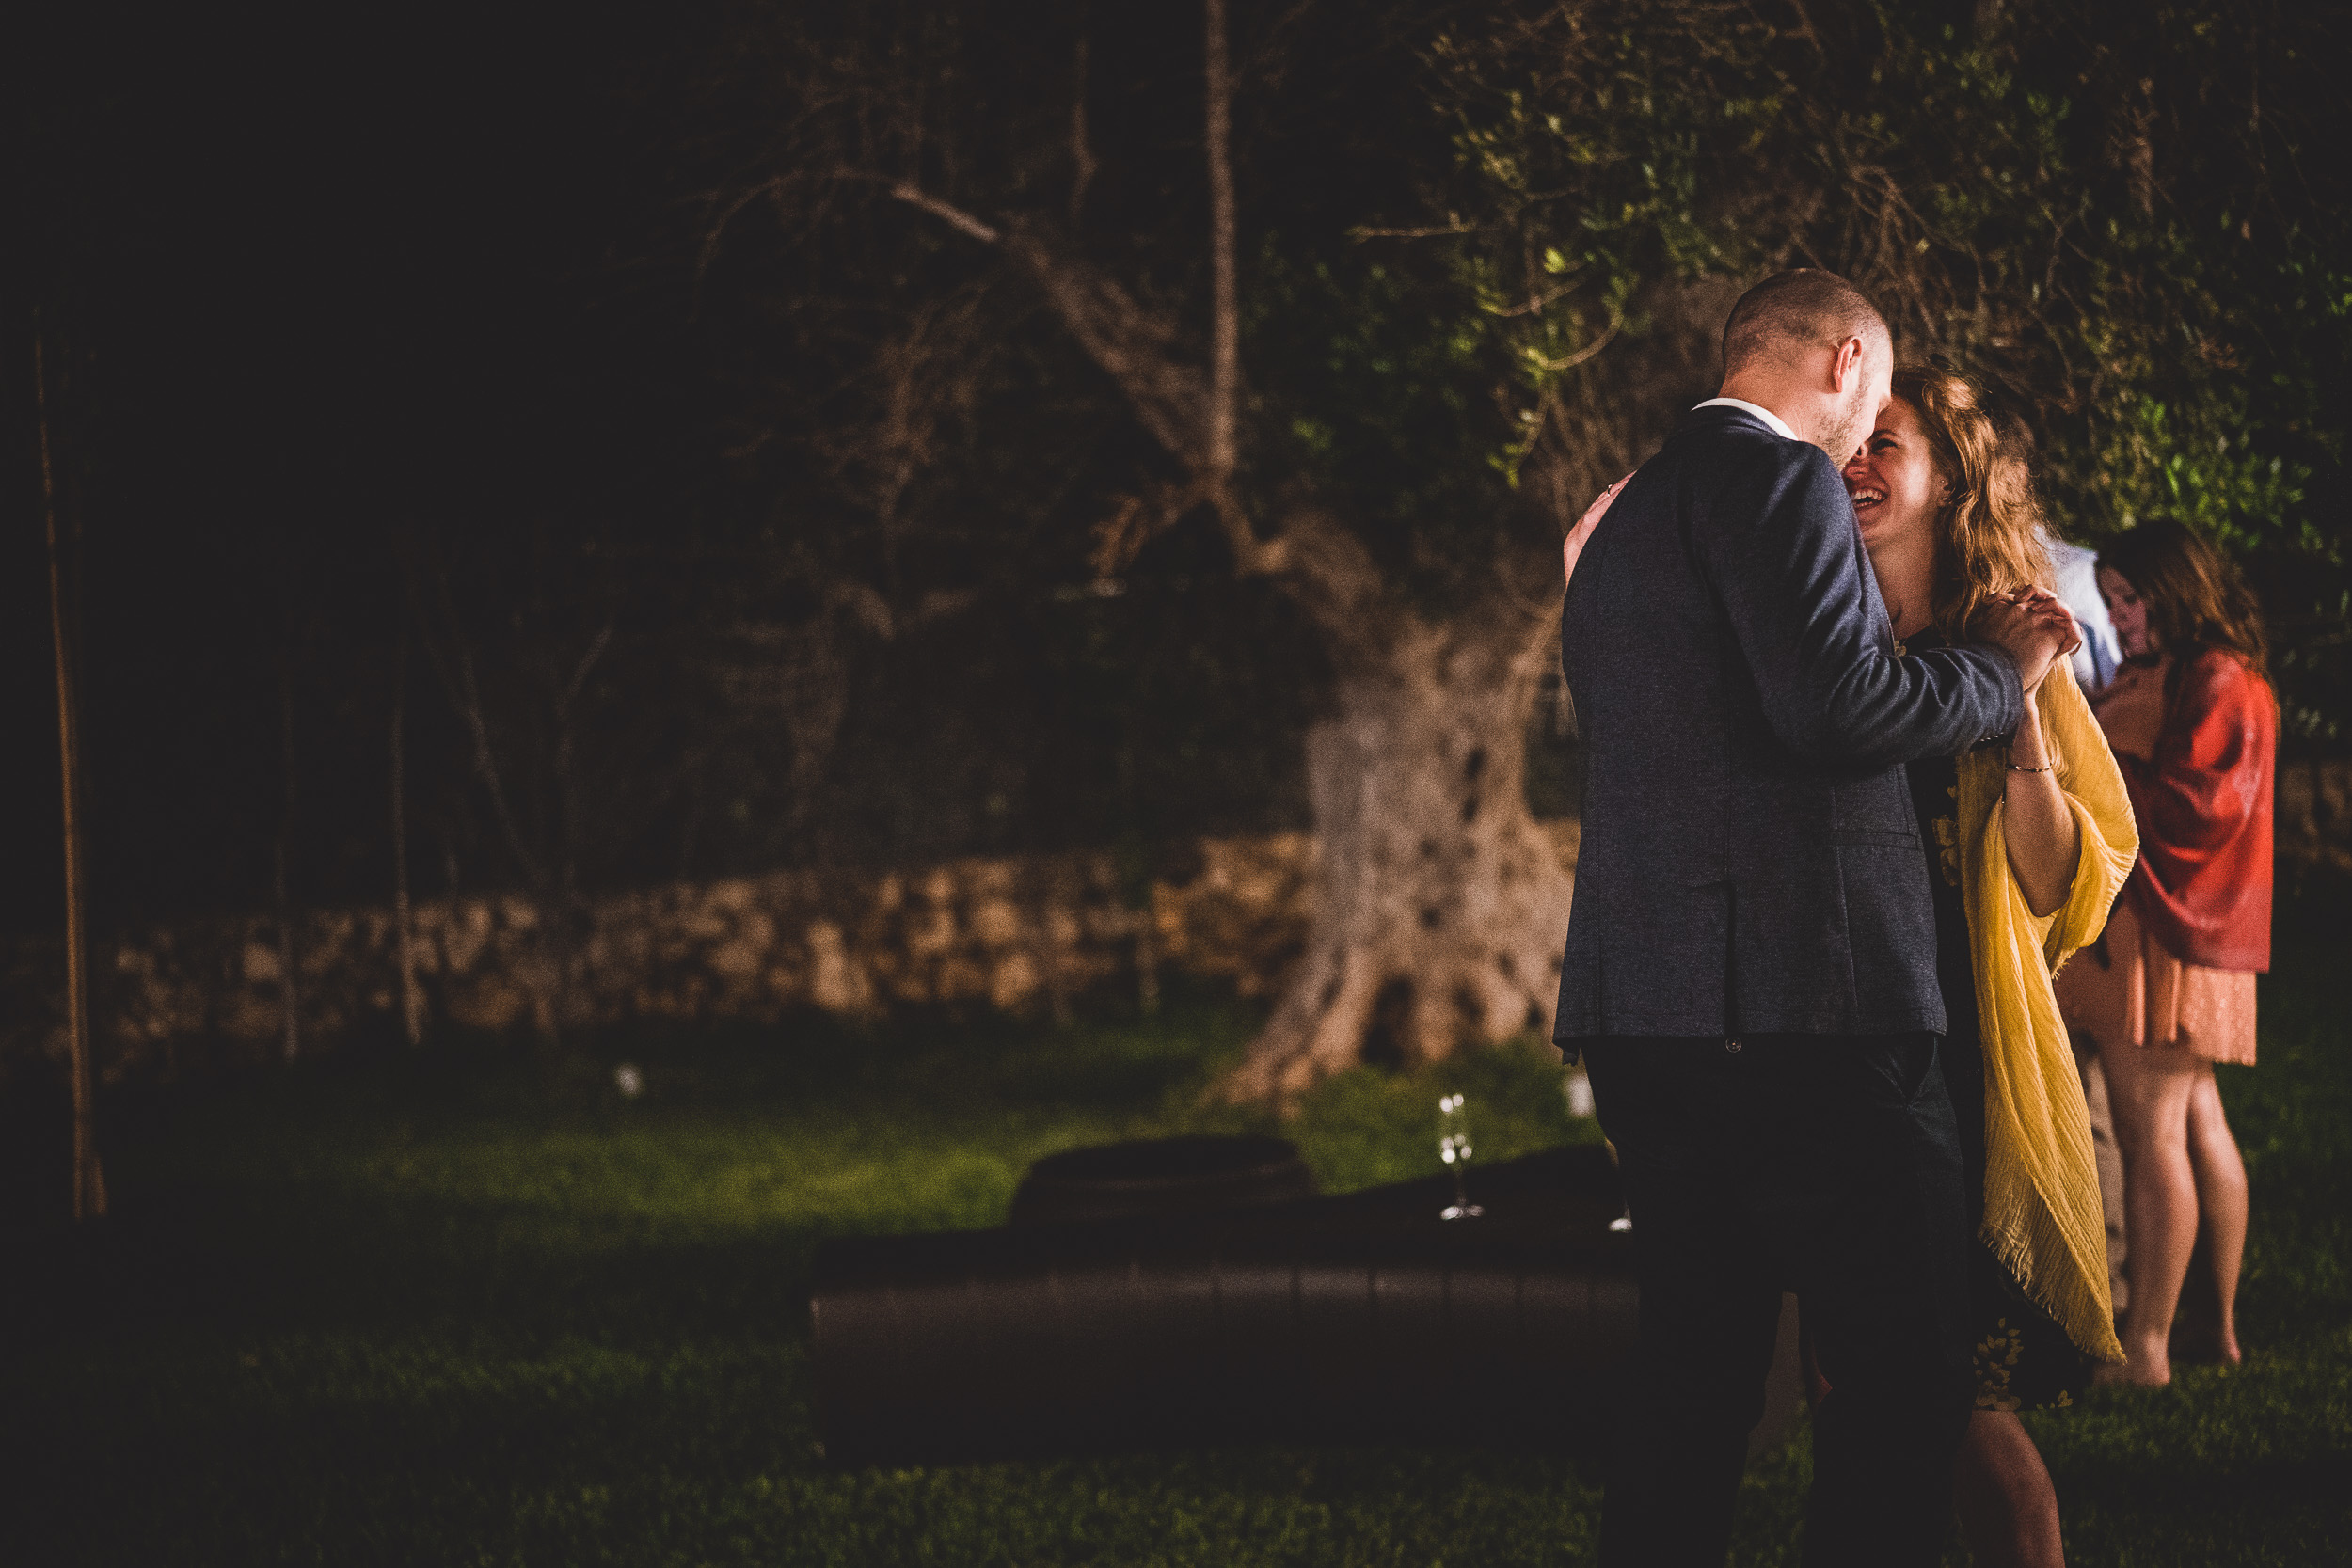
(1440,905)
(1439,902)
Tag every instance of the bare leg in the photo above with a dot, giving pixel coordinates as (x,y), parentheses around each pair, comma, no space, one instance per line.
(2221,1176)
(2149,1087)
(2001,1490)
(2108,1157)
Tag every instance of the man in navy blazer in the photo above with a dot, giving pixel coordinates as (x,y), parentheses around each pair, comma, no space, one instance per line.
(1749,972)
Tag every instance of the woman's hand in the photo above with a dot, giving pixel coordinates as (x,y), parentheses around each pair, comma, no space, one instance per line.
(2031,626)
(1574,545)
(2131,709)
(2044,840)
(2047,609)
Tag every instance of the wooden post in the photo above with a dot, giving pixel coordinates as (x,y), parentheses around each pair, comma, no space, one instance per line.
(411,999)
(289,989)
(90,1180)
(1147,955)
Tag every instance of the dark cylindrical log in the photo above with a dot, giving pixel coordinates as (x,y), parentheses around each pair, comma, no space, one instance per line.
(1363,1317)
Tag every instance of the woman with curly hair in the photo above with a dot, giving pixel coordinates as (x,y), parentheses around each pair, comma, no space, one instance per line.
(2027,847)
(2172,989)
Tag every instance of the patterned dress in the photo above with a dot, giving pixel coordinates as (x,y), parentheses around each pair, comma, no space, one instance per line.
(2024,1360)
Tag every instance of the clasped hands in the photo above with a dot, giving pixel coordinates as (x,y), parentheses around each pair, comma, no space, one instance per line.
(2032,627)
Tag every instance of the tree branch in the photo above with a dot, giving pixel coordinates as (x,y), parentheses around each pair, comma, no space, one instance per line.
(1224,312)
(1249,552)
(955,217)
(1176,404)
(718,229)
(1361,233)
(465,695)
(1081,148)
(588,661)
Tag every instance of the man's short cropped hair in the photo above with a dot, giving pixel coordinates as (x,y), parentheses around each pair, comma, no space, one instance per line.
(1799,308)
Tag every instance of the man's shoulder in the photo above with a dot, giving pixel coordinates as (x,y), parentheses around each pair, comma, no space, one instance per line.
(1717,456)
(1730,440)
(1719,468)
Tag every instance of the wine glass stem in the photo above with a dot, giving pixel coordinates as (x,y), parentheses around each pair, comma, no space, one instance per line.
(1461,1188)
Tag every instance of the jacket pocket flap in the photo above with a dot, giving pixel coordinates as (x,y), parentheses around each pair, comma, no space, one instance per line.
(1866,836)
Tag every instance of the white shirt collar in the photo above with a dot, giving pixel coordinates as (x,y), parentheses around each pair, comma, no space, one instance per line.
(1780,426)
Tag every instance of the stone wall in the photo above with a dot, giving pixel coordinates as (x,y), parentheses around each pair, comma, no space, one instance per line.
(1020,936)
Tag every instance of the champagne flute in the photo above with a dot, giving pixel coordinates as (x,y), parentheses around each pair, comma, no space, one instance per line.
(1623,1221)
(1454,1147)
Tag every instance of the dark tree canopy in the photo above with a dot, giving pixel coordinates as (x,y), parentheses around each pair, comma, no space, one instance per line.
(1457,223)
(619,322)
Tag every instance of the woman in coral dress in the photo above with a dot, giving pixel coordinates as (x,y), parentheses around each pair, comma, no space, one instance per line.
(2169,990)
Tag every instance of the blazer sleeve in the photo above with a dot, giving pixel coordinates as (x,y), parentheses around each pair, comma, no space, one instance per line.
(1790,574)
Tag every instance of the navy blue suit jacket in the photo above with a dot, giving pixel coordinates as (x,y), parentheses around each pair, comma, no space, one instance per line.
(1750,861)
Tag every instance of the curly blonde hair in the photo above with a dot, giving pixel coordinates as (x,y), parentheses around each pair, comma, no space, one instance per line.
(1988,532)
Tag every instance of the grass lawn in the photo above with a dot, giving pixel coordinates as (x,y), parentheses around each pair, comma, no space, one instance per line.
(424,1311)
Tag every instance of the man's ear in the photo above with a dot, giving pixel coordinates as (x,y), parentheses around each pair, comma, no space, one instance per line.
(1847,364)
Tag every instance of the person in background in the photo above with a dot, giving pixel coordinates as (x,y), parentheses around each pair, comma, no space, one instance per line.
(2195,726)
(2027,847)
(2075,577)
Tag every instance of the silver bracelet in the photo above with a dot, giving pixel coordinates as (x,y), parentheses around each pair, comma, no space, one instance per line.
(2043,768)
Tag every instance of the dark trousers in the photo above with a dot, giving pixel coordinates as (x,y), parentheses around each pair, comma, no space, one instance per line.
(1828,1165)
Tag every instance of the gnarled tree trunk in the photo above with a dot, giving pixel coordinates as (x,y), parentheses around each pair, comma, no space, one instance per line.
(1440,904)
(1438,900)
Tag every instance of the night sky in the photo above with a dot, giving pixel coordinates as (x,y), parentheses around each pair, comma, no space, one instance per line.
(317,278)
(310,273)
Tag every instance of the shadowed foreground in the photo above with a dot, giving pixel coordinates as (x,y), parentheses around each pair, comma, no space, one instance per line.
(416,1311)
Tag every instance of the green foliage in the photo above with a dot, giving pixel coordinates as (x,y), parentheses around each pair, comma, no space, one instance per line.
(1592,143)
(2239,499)
(2124,220)
(1480,247)
(414,1312)
(1382,368)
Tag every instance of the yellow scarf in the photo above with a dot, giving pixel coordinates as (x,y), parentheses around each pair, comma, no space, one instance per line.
(2042,1217)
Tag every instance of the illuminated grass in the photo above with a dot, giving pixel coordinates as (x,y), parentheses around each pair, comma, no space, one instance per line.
(426,1312)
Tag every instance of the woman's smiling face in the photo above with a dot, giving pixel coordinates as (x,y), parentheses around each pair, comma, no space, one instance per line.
(1893,479)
